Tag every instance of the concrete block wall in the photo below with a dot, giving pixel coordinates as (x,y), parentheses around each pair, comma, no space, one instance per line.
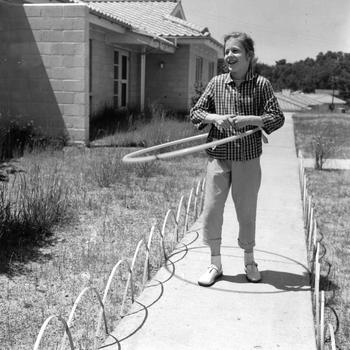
(46,65)
(168,85)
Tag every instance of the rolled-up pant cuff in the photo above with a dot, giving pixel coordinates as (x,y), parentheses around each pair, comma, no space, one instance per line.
(246,245)
(213,244)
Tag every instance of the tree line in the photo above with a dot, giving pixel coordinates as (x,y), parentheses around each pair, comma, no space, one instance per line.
(330,70)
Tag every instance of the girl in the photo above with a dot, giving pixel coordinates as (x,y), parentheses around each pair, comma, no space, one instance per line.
(232,103)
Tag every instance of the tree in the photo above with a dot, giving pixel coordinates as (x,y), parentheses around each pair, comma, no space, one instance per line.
(327,71)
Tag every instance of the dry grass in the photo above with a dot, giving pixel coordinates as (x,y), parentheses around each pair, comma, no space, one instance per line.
(154,132)
(330,190)
(331,194)
(109,208)
(332,130)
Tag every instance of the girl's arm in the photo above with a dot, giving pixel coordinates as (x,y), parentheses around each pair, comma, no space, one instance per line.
(204,112)
(272,118)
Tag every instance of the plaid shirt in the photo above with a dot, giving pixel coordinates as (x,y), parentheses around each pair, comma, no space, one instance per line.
(254,96)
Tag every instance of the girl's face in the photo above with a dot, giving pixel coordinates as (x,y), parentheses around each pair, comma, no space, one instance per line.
(236,58)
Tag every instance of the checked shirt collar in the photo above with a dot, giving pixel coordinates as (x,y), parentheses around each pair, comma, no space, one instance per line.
(249,76)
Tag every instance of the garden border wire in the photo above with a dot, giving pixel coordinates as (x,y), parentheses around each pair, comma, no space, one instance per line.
(314,245)
(197,197)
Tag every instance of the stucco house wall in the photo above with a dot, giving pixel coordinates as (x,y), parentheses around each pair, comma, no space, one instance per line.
(168,85)
(101,84)
(45,66)
(134,80)
(102,71)
(208,55)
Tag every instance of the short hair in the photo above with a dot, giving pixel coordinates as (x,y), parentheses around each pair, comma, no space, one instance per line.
(246,41)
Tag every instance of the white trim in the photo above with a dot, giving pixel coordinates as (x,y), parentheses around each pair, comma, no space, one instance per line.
(130,38)
(101,22)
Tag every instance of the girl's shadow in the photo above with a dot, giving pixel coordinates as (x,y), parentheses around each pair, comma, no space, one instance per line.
(284,281)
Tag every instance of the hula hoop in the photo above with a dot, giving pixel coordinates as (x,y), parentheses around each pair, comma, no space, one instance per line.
(136,157)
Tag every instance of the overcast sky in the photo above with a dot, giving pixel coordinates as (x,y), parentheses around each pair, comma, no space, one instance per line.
(290,29)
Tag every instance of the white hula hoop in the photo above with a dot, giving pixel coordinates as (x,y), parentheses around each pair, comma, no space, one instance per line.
(137,156)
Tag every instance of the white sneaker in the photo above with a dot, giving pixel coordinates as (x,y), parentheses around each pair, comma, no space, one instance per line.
(212,274)
(252,272)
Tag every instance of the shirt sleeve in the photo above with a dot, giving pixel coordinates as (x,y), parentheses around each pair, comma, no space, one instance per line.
(203,107)
(272,117)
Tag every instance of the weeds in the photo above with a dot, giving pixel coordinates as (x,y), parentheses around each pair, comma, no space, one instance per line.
(31,204)
(106,170)
(45,278)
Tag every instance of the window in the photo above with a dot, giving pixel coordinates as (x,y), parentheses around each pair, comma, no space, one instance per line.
(211,70)
(199,69)
(120,88)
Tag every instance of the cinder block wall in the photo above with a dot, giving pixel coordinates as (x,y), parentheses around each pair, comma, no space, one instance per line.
(46,66)
(168,86)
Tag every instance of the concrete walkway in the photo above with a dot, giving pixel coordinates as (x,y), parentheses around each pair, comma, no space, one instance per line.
(173,312)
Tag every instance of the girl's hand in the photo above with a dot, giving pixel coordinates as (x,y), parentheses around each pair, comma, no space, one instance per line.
(240,121)
(222,122)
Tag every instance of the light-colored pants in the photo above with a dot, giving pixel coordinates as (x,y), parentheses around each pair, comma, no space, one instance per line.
(244,177)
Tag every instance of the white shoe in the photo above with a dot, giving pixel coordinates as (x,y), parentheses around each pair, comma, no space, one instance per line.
(252,272)
(212,274)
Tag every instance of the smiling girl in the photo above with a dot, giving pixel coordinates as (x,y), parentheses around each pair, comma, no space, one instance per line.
(233,103)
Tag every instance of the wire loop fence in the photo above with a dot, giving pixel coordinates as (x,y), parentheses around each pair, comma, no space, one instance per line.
(314,246)
(195,203)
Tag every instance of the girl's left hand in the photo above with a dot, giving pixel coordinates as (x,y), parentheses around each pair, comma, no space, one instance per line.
(240,121)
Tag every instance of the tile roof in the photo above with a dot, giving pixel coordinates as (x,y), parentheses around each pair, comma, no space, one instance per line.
(325,98)
(153,17)
(287,104)
(304,98)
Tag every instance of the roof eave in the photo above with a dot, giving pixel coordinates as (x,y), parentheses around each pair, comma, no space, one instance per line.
(110,19)
(208,40)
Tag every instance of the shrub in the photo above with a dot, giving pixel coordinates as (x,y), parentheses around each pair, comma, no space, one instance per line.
(15,135)
(107,120)
(323,147)
(18,135)
(199,89)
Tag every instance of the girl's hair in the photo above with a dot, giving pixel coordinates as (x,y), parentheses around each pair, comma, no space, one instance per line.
(243,38)
(246,41)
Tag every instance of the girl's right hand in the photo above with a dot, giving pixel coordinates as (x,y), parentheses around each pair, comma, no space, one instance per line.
(224,122)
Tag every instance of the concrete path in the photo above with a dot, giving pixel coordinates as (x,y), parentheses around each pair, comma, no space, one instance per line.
(173,312)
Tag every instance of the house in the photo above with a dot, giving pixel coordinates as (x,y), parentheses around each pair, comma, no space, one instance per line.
(65,59)
(327,102)
(297,101)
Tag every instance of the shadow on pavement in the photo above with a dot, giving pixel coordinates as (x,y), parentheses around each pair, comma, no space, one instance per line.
(284,281)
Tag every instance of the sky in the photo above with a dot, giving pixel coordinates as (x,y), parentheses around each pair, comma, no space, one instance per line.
(281,29)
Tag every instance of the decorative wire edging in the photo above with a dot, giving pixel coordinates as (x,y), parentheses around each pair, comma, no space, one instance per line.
(314,243)
(197,207)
